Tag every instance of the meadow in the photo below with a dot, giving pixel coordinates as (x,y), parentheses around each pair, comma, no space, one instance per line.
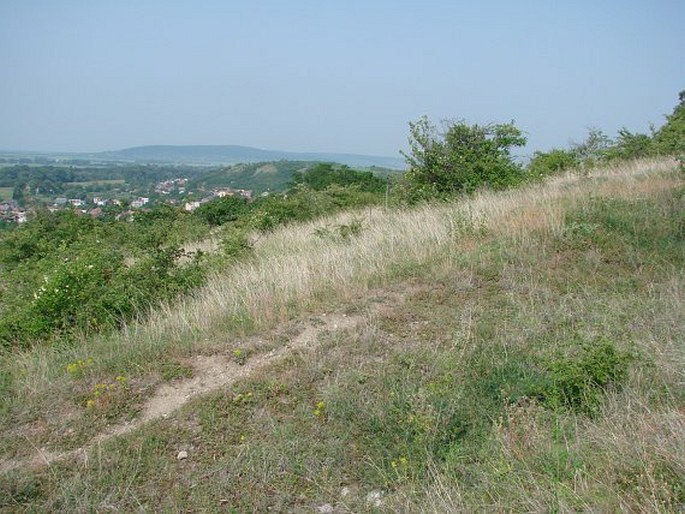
(518,350)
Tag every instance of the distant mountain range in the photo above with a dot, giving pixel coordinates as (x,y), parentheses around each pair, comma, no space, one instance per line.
(232,154)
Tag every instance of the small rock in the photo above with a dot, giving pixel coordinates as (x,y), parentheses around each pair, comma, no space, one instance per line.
(344,492)
(374,498)
(326,508)
(182,455)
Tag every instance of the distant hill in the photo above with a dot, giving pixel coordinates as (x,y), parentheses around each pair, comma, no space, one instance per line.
(259,176)
(263,176)
(232,154)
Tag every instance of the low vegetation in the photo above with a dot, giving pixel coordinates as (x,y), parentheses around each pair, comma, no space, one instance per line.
(63,274)
(598,148)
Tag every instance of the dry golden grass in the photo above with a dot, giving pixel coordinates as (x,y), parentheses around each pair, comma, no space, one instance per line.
(294,270)
(292,266)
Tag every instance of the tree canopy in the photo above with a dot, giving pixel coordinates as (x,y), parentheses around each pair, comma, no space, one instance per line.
(324,175)
(461,158)
(670,138)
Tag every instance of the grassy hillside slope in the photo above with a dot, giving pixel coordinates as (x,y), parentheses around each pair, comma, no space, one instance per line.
(258,177)
(513,351)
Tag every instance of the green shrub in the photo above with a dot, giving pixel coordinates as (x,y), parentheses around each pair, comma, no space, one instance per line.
(631,146)
(579,382)
(63,274)
(44,235)
(303,204)
(222,210)
(544,164)
(235,243)
(276,210)
(460,159)
(95,290)
(323,175)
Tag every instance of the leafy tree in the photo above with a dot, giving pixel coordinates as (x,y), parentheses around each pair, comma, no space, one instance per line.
(18,194)
(594,149)
(460,159)
(548,163)
(670,138)
(324,175)
(222,210)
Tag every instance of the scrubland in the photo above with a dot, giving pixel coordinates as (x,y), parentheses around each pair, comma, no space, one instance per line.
(518,350)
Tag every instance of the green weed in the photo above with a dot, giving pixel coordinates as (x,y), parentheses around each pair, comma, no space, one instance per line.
(579,382)
(239,356)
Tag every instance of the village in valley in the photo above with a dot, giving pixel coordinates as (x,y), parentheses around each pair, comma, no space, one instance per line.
(101,190)
(97,186)
(11,211)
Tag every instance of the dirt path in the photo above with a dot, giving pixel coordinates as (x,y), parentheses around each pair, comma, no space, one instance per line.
(209,373)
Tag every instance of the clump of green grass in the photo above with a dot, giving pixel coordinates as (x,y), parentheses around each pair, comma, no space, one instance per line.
(173,369)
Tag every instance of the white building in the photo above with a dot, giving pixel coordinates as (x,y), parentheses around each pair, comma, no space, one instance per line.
(191,206)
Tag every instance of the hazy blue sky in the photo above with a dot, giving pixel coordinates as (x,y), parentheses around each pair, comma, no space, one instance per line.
(343,76)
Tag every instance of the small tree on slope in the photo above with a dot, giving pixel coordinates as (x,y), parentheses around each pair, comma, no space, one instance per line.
(460,159)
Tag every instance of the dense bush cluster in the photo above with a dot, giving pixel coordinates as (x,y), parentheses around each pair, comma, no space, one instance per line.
(460,159)
(223,210)
(598,148)
(63,274)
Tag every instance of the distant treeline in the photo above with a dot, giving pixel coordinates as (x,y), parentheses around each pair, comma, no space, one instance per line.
(54,178)
(597,148)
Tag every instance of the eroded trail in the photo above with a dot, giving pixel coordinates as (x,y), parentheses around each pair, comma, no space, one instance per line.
(210,372)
